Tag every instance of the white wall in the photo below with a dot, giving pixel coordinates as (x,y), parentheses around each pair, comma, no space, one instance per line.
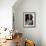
(36,33)
(6,13)
(43,22)
(29,6)
(6,18)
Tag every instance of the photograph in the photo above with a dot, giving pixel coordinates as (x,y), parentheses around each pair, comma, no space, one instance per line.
(29,19)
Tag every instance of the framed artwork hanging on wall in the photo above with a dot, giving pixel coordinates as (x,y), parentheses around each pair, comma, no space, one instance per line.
(29,19)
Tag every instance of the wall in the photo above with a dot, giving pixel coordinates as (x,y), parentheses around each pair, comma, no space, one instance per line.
(6,16)
(6,13)
(6,19)
(43,22)
(28,6)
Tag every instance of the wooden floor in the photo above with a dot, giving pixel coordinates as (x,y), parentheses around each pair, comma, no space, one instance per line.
(9,43)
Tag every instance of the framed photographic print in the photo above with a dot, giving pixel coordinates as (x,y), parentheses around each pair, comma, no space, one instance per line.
(29,19)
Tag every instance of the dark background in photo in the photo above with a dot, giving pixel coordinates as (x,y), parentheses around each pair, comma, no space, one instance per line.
(28,19)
